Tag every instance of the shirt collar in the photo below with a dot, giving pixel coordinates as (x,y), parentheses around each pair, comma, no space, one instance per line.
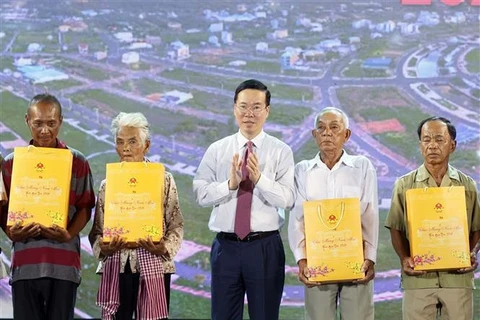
(346,159)
(257,141)
(60,144)
(423,174)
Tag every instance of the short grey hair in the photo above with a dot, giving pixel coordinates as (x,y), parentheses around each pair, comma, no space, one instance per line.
(133,120)
(332,109)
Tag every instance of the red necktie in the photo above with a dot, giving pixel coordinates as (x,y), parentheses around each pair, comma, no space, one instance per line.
(244,199)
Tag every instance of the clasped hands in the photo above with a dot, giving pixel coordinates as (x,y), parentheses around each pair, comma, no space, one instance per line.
(408,266)
(18,233)
(117,243)
(252,166)
(368,268)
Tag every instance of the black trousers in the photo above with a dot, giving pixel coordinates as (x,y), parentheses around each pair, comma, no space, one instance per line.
(256,268)
(129,291)
(44,299)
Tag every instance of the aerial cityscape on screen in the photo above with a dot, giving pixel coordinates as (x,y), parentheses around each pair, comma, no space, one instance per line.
(387,65)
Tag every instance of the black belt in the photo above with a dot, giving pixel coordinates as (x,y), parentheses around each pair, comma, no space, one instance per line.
(252,236)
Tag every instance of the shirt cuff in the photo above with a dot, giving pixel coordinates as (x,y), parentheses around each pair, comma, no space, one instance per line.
(96,250)
(299,254)
(224,190)
(370,253)
(263,183)
(395,226)
(168,247)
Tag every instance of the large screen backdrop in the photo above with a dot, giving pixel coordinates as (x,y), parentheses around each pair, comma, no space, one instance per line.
(386,64)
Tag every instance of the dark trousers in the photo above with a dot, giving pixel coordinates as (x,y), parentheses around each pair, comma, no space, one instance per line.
(256,268)
(43,299)
(129,283)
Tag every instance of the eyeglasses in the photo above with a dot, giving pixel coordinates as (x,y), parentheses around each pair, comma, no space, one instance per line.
(256,110)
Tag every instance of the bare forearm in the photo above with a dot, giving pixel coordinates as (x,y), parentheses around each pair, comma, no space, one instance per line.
(78,222)
(3,216)
(400,244)
(475,242)
(97,228)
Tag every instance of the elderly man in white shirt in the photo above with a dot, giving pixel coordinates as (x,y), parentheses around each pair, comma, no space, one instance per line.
(248,180)
(335,174)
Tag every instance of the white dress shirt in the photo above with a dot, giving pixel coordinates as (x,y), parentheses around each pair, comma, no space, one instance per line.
(273,192)
(350,177)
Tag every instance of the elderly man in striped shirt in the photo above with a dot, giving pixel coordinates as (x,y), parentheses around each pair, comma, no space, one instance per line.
(46,260)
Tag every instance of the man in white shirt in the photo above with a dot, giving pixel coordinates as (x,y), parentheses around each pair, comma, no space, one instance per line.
(335,174)
(248,180)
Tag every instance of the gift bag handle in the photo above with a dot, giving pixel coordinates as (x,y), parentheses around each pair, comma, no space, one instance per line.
(342,213)
(144,163)
(31,148)
(449,188)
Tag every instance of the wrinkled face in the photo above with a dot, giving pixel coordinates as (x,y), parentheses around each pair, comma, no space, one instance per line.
(129,145)
(436,144)
(331,133)
(251,111)
(44,122)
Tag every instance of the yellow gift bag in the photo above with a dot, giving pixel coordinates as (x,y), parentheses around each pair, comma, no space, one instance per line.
(40,187)
(437,228)
(134,201)
(334,243)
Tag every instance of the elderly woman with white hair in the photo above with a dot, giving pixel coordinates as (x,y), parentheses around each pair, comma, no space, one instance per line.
(123,267)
